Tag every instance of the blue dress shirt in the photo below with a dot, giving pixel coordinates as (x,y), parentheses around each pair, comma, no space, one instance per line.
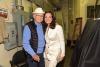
(27,36)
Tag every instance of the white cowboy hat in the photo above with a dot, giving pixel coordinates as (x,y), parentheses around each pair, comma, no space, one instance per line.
(38,10)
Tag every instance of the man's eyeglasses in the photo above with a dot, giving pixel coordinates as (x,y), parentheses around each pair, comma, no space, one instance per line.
(39,15)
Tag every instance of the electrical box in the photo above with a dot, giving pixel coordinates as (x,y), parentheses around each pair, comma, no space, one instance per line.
(10,41)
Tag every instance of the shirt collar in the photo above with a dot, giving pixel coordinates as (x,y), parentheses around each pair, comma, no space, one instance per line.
(38,24)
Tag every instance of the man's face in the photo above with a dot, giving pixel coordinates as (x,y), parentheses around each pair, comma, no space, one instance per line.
(38,17)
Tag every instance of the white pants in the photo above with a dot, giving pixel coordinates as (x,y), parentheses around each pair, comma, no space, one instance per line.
(50,63)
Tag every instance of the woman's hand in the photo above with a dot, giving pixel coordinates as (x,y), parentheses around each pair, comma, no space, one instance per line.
(60,57)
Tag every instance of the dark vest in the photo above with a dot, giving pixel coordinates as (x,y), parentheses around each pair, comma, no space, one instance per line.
(34,36)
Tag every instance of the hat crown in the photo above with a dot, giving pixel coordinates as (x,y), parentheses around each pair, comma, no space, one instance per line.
(38,10)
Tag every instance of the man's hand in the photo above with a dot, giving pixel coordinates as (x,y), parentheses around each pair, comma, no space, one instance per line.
(36,58)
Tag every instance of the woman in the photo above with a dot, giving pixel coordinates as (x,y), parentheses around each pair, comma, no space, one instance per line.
(55,45)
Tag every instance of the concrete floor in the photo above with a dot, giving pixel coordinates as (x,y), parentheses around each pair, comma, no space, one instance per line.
(68,56)
(66,61)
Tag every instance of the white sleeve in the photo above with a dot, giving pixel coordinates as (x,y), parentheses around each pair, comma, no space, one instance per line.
(61,39)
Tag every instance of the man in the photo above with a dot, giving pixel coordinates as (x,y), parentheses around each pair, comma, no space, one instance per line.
(34,39)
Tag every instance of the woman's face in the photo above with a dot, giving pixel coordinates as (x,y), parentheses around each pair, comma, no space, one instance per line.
(48,18)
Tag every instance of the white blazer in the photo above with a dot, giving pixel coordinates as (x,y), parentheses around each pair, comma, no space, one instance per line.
(54,43)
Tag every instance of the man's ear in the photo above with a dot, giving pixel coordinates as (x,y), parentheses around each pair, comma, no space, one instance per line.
(34,15)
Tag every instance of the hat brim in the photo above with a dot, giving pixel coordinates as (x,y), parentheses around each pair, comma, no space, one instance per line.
(39,12)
